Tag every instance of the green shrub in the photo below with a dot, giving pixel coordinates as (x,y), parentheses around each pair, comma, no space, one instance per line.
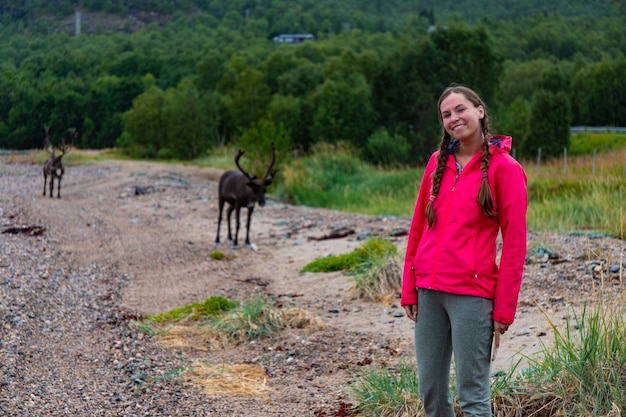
(387,150)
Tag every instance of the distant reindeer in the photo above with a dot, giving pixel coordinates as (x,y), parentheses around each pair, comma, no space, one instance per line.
(240,189)
(53,167)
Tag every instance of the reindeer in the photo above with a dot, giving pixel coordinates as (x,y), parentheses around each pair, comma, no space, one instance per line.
(240,189)
(53,167)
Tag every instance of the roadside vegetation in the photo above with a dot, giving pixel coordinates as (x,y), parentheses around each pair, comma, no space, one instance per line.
(577,200)
(581,374)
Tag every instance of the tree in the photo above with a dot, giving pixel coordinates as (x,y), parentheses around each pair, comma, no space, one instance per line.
(144,125)
(549,124)
(599,94)
(342,111)
(107,100)
(189,118)
(515,122)
(248,99)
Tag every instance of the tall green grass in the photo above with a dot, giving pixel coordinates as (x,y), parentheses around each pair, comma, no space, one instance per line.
(385,392)
(593,204)
(581,374)
(334,177)
(578,199)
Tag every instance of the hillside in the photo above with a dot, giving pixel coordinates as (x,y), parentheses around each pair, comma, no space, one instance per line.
(313,17)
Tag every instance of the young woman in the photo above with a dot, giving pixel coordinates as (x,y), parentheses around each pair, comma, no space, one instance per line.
(460,297)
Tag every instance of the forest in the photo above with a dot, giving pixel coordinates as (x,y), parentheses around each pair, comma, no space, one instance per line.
(178,78)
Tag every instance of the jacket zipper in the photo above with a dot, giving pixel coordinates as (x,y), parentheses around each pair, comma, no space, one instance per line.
(445,222)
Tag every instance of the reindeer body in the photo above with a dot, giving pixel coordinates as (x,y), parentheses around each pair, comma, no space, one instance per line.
(239,189)
(53,168)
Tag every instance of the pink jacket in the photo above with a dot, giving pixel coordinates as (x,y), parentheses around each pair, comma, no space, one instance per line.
(458,254)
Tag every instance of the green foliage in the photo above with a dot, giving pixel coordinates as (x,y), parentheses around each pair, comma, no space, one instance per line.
(217,255)
(257,143)
(212,306)
(549,124)
(577,205)
(379,278)
(248,98)
(253,319)
(178,123)
(588,367)
(333,177)
(599,91)
(585,143)
(220,74)
(384,391)
(343,110)
(386,150)
(516,122)
(580,374)
(355,261)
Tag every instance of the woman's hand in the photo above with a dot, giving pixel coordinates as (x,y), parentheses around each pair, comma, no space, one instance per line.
(498,329)
(411,311)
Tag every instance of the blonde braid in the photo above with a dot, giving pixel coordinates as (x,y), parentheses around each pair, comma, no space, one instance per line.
(436,179)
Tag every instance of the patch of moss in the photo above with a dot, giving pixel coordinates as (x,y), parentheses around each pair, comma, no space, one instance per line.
(212,306)
(355,260)
(217,255)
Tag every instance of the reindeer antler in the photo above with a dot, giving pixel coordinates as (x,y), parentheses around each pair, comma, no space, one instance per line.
(241,152)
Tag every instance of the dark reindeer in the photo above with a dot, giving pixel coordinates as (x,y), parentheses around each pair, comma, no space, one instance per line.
(240,189)
(53,167)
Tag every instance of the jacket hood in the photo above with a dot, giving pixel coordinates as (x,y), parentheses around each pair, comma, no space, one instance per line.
(497,144)
(500,144)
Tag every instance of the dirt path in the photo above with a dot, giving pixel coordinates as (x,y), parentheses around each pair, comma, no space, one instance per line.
(160,241)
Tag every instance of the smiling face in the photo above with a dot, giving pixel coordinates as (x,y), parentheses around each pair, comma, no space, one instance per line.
(461,118)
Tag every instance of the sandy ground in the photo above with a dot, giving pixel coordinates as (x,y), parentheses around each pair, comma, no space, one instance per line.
(160,243)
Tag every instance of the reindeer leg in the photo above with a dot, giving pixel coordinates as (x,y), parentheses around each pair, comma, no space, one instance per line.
(51,186)
(250,210)
(228,215)
(59,190)
(219,221)
(237,215)
(45,180)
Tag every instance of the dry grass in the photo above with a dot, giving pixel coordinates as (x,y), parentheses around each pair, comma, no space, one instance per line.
(234,329)
(381,281)
(203,337)
(229,380)
(183,337)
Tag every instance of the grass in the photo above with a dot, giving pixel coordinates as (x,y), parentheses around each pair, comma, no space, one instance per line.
(585,143)
(358,259)
(387,392)
(335,178)
(375,268)
(256,318)
(581,198)
(73,157)
(581,374)
(210,307)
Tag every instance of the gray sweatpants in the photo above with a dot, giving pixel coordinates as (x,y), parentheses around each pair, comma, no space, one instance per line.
(459,324)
